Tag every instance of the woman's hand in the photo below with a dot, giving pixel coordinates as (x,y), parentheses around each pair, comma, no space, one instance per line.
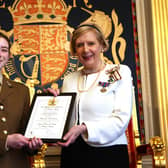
(55,92)
(35,143)
(73,134)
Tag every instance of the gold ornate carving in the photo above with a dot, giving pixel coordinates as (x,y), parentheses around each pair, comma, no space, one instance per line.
(39,161)
(117,39)
(158,148)
(101,19)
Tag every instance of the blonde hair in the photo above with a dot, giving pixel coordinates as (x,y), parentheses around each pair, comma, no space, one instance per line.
(82,29)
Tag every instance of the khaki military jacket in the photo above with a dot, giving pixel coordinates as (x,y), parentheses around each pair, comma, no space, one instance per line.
(14,114)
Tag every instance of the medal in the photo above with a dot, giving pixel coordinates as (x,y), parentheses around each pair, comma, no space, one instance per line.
(103,90)
(104,85)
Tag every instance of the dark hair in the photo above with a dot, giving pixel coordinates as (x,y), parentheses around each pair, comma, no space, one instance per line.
(2,35)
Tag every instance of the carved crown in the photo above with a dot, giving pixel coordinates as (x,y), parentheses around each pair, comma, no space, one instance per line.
(36,11)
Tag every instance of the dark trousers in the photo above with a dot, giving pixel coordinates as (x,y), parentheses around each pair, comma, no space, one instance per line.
(81,155)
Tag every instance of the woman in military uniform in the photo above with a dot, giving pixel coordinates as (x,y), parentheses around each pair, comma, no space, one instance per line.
(14,106)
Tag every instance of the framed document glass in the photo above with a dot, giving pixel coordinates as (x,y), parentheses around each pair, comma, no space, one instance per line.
(49,116)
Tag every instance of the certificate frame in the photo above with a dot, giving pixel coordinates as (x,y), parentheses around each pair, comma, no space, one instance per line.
(48,113)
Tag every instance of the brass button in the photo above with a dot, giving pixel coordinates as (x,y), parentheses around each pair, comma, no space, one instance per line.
(5,132)
(1,107)
(3,119)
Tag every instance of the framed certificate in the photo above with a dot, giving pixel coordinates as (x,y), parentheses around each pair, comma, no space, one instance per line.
(49,116)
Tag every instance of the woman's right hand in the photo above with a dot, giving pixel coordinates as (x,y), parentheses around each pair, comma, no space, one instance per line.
(55,92)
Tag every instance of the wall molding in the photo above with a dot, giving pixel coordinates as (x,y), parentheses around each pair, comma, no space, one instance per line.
(145,69)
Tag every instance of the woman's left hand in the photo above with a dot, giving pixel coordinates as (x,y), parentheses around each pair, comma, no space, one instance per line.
(35,143)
